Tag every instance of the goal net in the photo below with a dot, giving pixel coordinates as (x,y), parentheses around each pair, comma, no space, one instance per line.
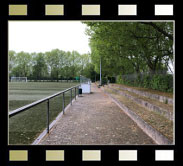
(18,79)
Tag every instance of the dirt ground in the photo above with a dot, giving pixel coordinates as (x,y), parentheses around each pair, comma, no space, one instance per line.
(94,119)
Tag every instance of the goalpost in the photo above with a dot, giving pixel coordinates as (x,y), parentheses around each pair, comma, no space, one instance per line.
(18,79)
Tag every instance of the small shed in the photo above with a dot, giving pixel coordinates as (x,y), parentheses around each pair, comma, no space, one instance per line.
(85,84)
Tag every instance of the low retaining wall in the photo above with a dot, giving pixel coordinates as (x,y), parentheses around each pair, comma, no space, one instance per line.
(167,114)
(149,130)
(146,94)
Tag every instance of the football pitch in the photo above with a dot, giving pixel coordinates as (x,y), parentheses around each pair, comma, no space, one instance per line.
(25,127)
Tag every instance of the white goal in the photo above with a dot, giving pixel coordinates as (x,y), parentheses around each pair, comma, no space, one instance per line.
(18,79)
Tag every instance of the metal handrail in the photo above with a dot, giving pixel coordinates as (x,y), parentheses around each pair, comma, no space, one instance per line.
(21,109)
(26,107)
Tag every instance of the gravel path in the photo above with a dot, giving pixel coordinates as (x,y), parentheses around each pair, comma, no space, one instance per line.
(94,119)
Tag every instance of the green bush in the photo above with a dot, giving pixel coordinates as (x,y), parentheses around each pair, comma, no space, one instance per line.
(104,81)
(157,82)
(162,83)
(146,81)
(119,80)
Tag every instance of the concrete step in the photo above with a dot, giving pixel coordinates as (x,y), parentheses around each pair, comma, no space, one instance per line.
(159,128)
(142,92)
(152,105)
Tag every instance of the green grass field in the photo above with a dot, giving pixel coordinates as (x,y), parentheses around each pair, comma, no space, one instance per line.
(26,126)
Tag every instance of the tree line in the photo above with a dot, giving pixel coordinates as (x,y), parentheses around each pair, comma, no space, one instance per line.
(53,65)
(126,48)
(129,47)
(123,48)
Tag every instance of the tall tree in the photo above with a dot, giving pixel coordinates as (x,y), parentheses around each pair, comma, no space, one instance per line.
(23,65)
(128,47)
(40,69)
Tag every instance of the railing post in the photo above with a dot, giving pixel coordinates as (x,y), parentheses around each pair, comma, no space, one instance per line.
(21,109)
(48,116)
(63,102)
(75,92)
(71,96)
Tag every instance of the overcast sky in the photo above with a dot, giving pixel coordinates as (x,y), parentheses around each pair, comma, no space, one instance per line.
(42,36)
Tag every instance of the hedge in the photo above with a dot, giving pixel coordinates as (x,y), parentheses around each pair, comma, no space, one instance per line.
(161,82)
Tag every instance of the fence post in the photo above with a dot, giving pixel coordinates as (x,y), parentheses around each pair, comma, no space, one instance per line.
(71,96)
(63,102)
(75,92)
(48,116)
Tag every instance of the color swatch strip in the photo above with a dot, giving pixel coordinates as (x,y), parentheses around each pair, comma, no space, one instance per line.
(90,10)
(18,155)
(54,155)
(54,10)
(91,155)
(17,10)
(127,10)
(161,10)
(164,155)
(127,155)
